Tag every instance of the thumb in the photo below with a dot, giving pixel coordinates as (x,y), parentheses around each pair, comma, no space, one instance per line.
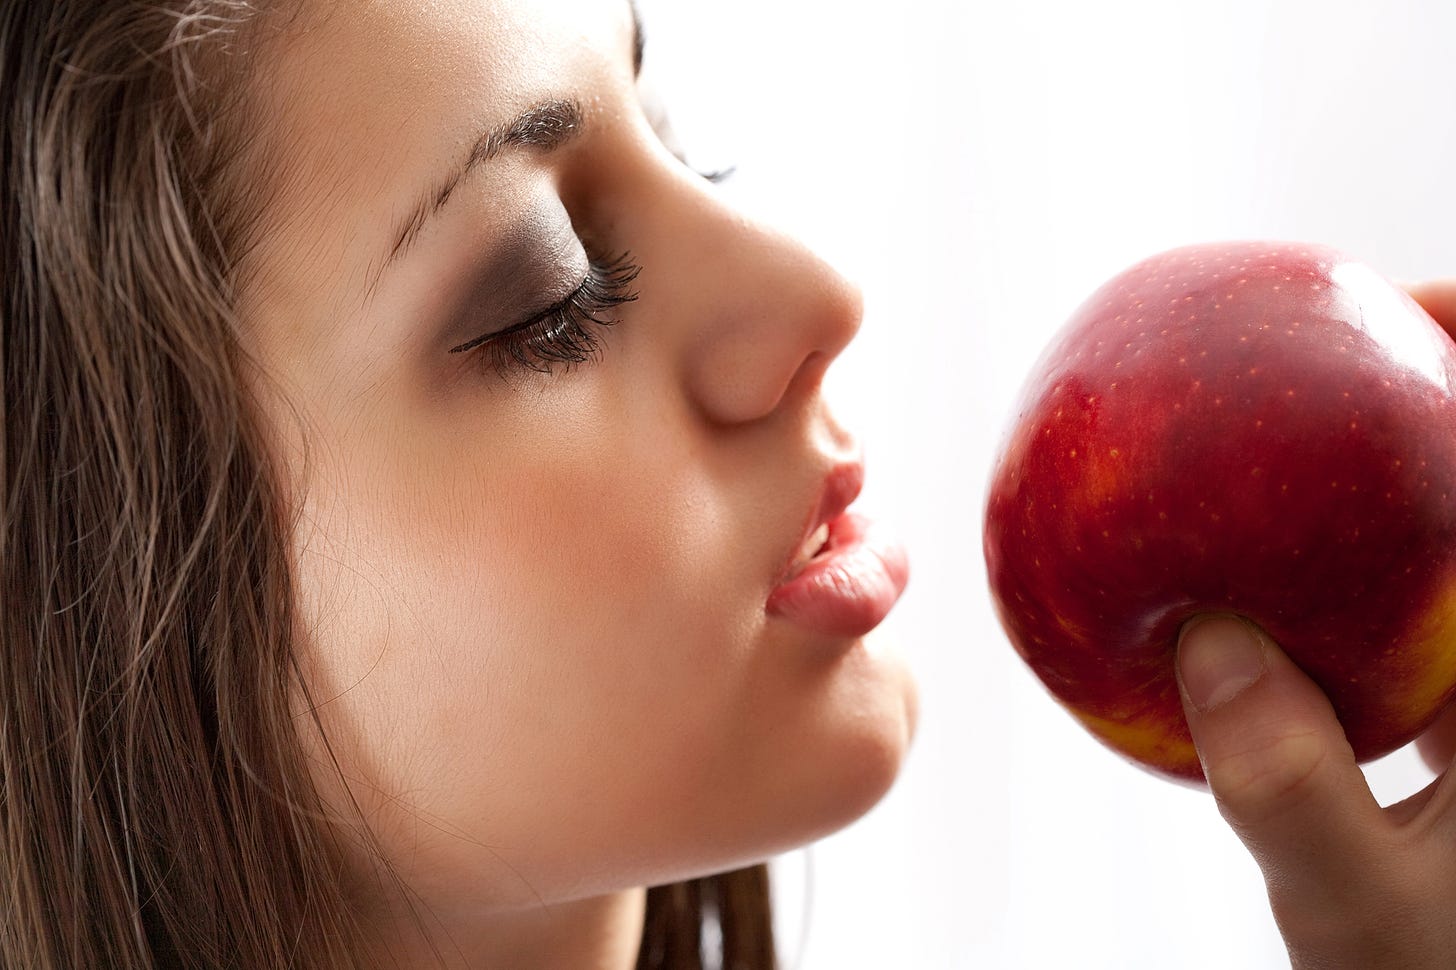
(1438,298)
(1276,759)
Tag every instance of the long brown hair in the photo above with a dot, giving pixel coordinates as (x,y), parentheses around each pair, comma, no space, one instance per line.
(155,807)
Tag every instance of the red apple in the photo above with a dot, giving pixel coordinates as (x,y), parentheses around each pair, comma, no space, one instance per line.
(1257,428)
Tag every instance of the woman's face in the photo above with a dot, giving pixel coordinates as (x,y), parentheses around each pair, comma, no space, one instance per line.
(543,613)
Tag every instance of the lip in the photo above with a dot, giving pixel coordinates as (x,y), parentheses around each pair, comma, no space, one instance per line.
(854,581)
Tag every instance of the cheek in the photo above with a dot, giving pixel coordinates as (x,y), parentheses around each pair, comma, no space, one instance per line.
(558,612)
(495,564)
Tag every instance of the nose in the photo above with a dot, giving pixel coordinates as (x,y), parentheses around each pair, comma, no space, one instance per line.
(764,317)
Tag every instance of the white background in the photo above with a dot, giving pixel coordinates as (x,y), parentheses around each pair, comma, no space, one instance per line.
(979,168)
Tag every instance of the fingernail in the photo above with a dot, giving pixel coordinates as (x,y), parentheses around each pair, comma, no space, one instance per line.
(1218,658)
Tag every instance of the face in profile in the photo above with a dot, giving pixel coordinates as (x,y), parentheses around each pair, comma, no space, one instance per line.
(558,455)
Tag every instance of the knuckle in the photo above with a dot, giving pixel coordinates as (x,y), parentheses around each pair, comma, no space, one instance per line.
(1268,778)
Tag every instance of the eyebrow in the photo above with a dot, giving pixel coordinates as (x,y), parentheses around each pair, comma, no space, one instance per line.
(545,126)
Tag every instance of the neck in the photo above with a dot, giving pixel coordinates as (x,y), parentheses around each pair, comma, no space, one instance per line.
(603,933)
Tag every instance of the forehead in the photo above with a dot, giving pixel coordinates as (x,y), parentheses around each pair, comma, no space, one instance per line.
(366,102)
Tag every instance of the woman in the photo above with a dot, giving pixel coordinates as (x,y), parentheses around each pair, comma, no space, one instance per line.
(424,529)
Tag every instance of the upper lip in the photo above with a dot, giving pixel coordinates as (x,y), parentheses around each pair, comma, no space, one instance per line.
(841,487)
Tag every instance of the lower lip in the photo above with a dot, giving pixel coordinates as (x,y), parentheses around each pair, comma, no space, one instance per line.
(849,589)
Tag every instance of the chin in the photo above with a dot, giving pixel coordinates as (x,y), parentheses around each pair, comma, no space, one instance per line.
(834,780)
(818,748)
(869,765)
(865,735)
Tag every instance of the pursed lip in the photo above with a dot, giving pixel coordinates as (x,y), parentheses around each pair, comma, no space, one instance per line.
(841,487)
(848,585)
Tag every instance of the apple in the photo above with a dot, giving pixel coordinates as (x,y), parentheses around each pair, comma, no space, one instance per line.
(1264,429)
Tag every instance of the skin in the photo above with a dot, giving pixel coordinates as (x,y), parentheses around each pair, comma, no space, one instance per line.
(1352,884)
(532,605)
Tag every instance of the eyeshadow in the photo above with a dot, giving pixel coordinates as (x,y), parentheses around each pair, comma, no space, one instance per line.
(534,263)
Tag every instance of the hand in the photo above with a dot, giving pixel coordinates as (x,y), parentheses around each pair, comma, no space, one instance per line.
(1352,885)
(1439,299)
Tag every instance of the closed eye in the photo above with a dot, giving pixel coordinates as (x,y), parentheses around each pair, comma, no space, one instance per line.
(569,332)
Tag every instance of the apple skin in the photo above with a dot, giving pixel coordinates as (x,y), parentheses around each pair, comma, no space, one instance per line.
(1265,429)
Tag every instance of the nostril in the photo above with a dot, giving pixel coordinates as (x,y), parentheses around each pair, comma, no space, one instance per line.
(809,377)
(769,337)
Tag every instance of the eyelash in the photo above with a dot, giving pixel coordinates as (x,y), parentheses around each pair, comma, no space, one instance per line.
(568,333)
(716,176)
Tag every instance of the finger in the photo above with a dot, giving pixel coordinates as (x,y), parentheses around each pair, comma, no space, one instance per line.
(1409,809)
(1276,759)
(1437,745)
(1438,298)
